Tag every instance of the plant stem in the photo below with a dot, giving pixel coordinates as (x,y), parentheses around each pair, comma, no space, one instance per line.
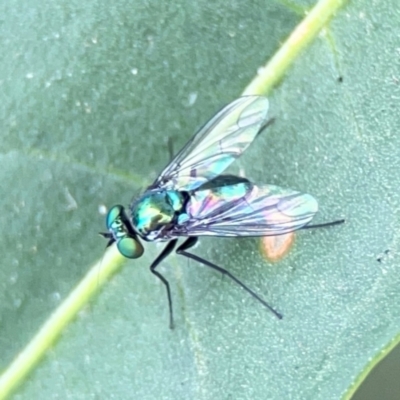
(304,33)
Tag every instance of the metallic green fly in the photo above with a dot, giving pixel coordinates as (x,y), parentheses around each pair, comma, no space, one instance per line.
(190,198)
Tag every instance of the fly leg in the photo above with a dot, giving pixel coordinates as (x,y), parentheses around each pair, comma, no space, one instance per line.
(170,146)
(339,221)
(190,242)
(165,253)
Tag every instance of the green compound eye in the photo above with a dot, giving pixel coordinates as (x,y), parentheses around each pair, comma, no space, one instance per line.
(113,214)
(117,224)
(130,248)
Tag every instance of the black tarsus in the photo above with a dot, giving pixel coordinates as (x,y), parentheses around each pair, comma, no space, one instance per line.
(170,146)
(166,252)
(266,125)
(190,242)
(338,222)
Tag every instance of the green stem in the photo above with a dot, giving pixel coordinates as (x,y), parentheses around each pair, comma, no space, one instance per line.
(304,33)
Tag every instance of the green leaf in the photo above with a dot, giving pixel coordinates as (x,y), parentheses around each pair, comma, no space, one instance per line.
(91,93)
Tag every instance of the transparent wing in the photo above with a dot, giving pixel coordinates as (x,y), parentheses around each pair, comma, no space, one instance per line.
(245,209)
(215,146)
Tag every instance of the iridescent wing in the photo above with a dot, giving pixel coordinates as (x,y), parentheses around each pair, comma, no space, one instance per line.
(244,209)
(215,146)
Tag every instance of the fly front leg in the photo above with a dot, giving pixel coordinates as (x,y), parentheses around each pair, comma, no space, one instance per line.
(166,252)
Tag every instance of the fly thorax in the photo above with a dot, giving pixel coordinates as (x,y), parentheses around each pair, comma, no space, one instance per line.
(155,211)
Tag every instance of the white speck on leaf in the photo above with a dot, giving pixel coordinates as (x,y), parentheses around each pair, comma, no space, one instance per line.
(72,204)
(102,209)
(192,98)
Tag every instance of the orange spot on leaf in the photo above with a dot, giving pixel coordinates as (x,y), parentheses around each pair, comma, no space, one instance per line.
(276,247)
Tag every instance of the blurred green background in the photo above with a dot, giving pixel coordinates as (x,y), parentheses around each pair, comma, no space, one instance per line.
(383,382)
